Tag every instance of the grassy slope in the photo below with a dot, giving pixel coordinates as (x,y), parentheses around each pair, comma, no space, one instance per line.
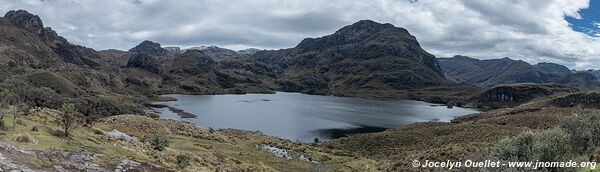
(230,150)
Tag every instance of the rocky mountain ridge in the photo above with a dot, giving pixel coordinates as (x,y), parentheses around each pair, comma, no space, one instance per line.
(491,72)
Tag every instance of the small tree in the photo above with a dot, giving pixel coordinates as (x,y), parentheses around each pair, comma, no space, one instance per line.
(19,108)
(69,118)
(3,108)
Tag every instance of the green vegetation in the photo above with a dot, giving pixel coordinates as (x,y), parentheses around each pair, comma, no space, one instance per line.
(189,148)
(575,137)
(584,129)
(159,143)
(69,118)
(182,161)
(547,146)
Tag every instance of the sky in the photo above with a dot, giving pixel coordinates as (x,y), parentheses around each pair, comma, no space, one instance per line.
(560,31)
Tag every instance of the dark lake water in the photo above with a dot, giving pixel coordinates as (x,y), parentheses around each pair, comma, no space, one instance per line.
(304,117)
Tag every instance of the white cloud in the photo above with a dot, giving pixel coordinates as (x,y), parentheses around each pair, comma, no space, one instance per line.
(532,30)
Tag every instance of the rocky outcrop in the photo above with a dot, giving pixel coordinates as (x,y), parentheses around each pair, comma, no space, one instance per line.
(584,100)
(516,94)
(145,62)
(150,48)
(193,62)
(42,44)
(26,20)
(308,83)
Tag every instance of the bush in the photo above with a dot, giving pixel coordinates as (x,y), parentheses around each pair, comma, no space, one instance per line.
(153,115)
(159,143)
(24,138)
(35,128)
(550,145)
(211,130)
(518,148)
(583,129)
(2,124)
(183,161)
(98,107)
(20,122)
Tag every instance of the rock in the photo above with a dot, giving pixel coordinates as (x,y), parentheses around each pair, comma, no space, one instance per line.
(26,20)
(584,100)
(126,165)
(193,62)
(149,47)
(516,94)
(146,62)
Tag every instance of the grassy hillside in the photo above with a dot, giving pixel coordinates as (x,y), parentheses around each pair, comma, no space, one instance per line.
(37,143)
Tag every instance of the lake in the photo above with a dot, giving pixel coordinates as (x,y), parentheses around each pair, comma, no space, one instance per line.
(304,117)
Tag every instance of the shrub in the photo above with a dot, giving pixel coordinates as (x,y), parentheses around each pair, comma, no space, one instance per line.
(159,143)
(2,125)
(583,129)
(211,130)
(20,122)
(182,161)
(24,138)
(518,148)
(153,115)
(35,128)
(550,145)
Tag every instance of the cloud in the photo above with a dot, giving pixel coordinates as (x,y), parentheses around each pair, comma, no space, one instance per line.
(533,30)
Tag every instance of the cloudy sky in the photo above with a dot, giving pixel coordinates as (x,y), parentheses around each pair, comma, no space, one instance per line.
(560,31)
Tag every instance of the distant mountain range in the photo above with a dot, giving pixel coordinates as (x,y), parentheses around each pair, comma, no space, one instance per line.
(462,69)
(363,57)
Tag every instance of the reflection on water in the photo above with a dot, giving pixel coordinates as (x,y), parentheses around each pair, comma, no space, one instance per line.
(305,117)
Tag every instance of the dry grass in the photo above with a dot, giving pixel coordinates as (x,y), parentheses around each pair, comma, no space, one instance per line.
(25,138)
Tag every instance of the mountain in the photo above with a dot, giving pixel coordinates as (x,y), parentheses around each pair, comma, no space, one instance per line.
(553,68)
(150,48)
(26,41)
(365,57)
(43,69)
(462,69)
(248,51)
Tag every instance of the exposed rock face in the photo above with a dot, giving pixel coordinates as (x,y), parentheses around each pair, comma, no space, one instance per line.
(218,53)
(149,47)
(585,100)
(363,57)
(26,32)
(516,94)
(193,62)
(248,51)
(26,20)
(146,62)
